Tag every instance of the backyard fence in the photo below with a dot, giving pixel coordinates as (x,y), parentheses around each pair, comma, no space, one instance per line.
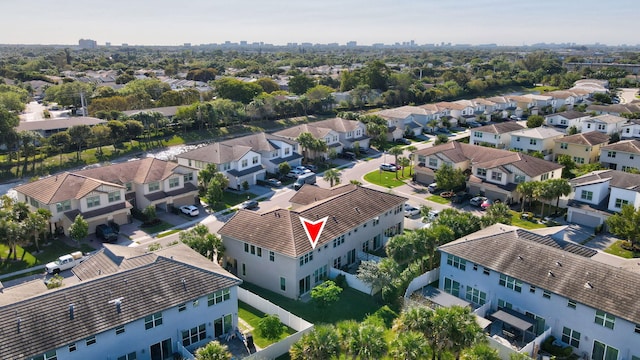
(422,281)
(352,281)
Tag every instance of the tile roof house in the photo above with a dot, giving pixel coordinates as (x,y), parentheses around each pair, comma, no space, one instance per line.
(108,193)
(494,172)
(339,134)
(121,303)
(494,135)
(564,120)
(631,130)
(536,286)
(51,126)
(247,158)
(623,155)
(540,139)
(608,124)
(272,250)
(583,148)
(614,109)
(404,119)
(600,194)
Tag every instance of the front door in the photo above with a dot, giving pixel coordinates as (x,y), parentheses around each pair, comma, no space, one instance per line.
(161,350)
(305,284)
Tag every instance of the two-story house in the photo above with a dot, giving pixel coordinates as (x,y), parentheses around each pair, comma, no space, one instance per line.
(494,135)
(583,148)
(246,158)
(540,139)
(623,155)
(631,130)
(122,303)
(495,173)
(404,119)
(535,286)
(608,124)
(565,98)
(273,251)
(614,109)
(600,194)
(564,120)
(108,193)
(339,134)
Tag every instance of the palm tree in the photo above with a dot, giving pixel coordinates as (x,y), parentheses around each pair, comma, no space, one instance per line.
(348,332)
(36,223)
(404,162)
(433,123)
(543,192)
(497,213)
(213,351)
(319,344)
(481,352)
(559,187)
(409,345)
(306,141)
(332,176)
(396,151)
(526,189)
(411,149)
(355,182)
(371,342)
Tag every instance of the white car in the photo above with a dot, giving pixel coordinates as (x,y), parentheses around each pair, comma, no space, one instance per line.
(410,210)
(388,167)
(295,173)
(190,210)
(303,169)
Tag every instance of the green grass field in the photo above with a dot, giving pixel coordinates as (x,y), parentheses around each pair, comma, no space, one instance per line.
(252,316)
(28,257)
(438,199)
(388,178)
(617,250)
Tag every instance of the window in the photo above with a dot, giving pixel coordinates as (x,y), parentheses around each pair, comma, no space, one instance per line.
(452,287)
(533,141)
(563,146)
(120,330)
(253,249)
(93,201)
(544,176)
(637,329)
(519,179)
(130,187)
(63,206)
(611,154)
(129,356)
(620,202)
(195,303)
(320,274)
(254,160)
(604,319)
(259,252)
(546,294)
(571,304)
(51,355)
(578,160)
(517,138)
(244,269)
(283,284)
(174,182)
(287,151)
(481,172)
(601,127)
(272,256)
(245,162)
(72,347)
(218,297)
(433,162)
(246,247)
(182,307)
(602,351)
(475,267)
(477,134)
(486,271)
(571,337)
(456,262)
(154,186)
(586,195)
(90,340)
(306,258)
(476,296)
(194,335)
(532,289)
(497,176)
(504,304)
(152,321)
(510,283)
(187,177)
(114,196)
(226,166)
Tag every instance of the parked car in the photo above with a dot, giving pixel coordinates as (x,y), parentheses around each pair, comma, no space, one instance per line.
(478,200)
(403,141)
(387,167)
(486,204)
(106,233)
(249,205)
(348,155)
(308,178)
(363,150)
(294,173)
(473,124)
(433,187)
(274,182)
(312,168)
(303,169)
(433,214)
(190,210)
(398,167)
(410,210)
(444,131)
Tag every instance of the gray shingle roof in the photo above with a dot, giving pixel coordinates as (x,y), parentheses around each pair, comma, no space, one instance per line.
(500,128)
(588,138)
(619,179)
(629,146)
(147,284)
(523,255)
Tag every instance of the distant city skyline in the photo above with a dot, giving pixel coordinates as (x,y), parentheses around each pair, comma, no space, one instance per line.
(278,22)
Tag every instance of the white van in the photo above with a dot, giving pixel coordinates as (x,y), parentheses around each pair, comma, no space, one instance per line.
(432,187)
(308,178)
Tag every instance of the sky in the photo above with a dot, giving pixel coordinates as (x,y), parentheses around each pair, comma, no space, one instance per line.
(278,22)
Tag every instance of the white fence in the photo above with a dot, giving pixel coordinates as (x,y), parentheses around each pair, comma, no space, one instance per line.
(352,281)
(422,281)
(533,347)
(300,325)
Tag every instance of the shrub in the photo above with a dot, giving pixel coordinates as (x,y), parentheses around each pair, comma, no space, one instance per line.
(270,327)
(54,282)
(341,281)
(558,350)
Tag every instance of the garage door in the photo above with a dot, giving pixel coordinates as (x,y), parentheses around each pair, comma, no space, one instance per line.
(585,219)
(185,200)
(424,178)
(494,195)
(94,223)
(121,219)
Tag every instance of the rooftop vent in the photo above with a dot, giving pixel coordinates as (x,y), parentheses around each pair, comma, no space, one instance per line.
(520,257)
(357,210)
(118,303)
(588,285)
(558,263)
(184,284)
(551,274)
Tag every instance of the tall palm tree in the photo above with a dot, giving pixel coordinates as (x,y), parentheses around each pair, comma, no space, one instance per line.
(559,187)
(332,176)
(306,141)
(543,192)
(348,332)
(319,344)
(404,162)
(526,189)
(412,157)
(410,345)
(396,151)
(371,342)
(36,223)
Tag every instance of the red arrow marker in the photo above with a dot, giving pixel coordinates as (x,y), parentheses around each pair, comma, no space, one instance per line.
(313,229)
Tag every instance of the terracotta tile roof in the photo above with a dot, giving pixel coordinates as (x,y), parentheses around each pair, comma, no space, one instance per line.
(528,257)
(629,146)
(281,231)
(500,128)
(619,179)
(402,112)
(147,284)
(338,124)
(65,186)
(588,138)
(450,105)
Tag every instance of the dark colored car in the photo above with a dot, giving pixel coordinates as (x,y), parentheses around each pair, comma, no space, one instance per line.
(249,205)
(403,141)
(106,233)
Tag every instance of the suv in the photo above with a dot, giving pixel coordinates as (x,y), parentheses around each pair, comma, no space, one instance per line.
(190,210)
(106,233)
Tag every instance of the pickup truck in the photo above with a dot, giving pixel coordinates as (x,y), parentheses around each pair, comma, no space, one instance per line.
(65,262)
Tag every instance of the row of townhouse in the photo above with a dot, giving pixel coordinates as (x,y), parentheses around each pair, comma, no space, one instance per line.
(250,158)
(121,303)
(272,250)
(532,285)
(495,173)
(107,194)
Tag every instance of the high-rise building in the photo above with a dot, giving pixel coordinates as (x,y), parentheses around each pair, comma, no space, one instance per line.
(87,44)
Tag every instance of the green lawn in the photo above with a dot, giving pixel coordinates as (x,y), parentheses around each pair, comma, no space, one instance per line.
(252,316)
(167,233)
(387,178)
(617,250)
(516,220)
(160,227)
(352,305)
(230,199)
(438,199)
(27,257)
